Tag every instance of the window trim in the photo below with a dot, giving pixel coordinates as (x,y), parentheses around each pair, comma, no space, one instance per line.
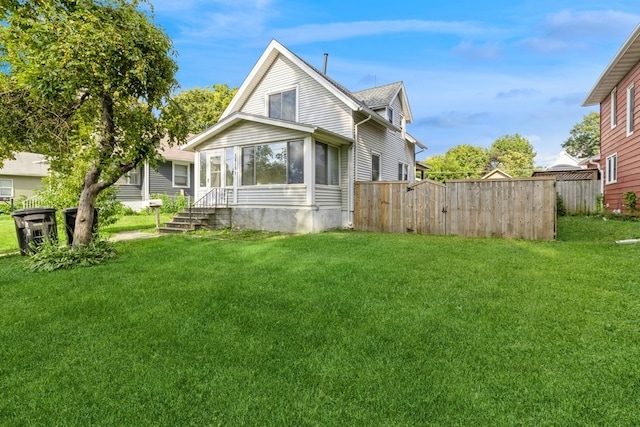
(173,174)
(282,90)
(10,188)
(614,107)
(379,156)
(611,163)
(630,109)
(403,175)
(126,178)
(328,164)
(241,169)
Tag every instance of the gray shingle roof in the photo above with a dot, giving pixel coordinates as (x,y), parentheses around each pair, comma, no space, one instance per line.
(379,96)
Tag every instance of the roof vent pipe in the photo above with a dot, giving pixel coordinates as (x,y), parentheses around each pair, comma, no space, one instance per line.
(324,68)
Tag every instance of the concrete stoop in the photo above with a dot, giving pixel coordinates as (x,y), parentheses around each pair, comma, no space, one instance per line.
(198,219)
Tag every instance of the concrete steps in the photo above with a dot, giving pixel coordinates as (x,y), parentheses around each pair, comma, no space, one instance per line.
(197,219)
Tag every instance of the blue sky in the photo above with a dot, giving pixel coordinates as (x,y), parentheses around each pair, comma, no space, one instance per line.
(474,71)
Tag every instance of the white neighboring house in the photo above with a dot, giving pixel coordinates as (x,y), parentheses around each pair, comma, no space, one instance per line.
(288,149)
(20,177)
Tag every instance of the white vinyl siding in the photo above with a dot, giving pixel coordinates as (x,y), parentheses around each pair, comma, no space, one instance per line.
(612,169)
(373,138)
(316,105)
(275,195)
(249,133)
(328,196)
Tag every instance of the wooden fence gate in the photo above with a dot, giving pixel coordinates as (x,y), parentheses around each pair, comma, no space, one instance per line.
(515,208)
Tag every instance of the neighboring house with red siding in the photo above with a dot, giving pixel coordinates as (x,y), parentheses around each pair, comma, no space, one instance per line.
(617,94)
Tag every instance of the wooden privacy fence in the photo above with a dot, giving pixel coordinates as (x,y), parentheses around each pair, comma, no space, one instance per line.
(579,197)
(514,208)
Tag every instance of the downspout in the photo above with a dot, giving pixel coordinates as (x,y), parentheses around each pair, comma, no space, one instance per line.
(597,164)
(354,167)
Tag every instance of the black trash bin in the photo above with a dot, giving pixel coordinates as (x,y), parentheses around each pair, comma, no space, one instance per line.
(70,215)
(33,227)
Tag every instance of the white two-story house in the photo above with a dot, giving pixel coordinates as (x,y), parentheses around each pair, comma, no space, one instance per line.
(288,149)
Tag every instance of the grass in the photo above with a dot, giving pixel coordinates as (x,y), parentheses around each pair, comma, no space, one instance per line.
(145,223)
(341,328)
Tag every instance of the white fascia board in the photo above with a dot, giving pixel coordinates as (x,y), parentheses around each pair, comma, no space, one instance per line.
(238,117)
(263,64)
(414,141)
(619,66)
(405,100)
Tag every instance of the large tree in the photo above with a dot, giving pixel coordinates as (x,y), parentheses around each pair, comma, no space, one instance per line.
(459,162)
(203,106)
(514,154)
(85,83)
(585,137)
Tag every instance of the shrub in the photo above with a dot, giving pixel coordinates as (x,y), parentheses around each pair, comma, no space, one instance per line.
(51,256)
(630,200)
(171,204)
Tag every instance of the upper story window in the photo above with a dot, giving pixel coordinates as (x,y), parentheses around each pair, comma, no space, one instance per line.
(6,188)
(386,112)
(375,167)
(180,174)
(614,107)
(403,171)
(631,103)
(282,105)
(612,168)
(327,164)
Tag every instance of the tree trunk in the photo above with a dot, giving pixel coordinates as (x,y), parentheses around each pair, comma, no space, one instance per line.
(83,233)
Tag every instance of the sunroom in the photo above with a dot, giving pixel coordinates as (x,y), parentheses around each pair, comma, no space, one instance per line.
(274,174)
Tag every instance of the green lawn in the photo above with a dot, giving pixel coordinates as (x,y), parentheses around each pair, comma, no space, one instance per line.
(9,240)
(341,328)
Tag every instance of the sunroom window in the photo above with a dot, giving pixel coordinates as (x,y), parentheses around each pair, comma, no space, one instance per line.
(276,163)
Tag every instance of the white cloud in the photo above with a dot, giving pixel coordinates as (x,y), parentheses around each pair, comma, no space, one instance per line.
(518,93)
(206,20)
(571,30)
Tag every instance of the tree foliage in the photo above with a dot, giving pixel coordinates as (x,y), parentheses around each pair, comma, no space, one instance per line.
(512,153)
(585,137)
(203,106)
(459,162)
(86,82)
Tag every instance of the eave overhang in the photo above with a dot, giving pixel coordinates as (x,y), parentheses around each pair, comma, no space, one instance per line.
(624,61)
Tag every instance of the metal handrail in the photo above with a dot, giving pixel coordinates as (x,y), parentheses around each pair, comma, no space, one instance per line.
(215,198)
